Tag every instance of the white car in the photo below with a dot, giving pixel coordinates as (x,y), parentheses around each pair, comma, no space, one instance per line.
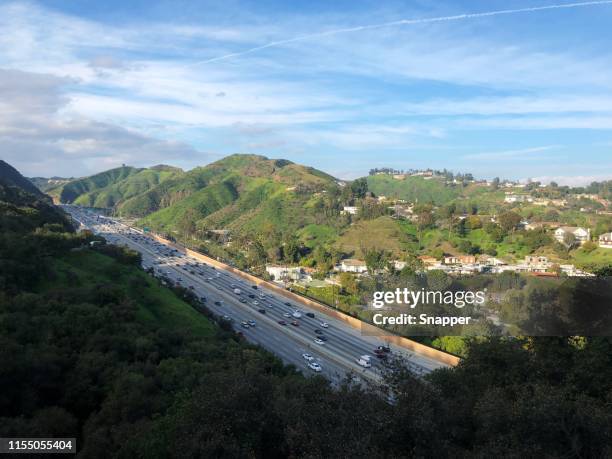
(308,357)
(315,367)
(324,325)
(318,341)
(286,314)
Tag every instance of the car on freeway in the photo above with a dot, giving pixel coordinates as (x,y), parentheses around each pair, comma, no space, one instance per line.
(203,299)
(282,322)
(287,303)
(315,367)
(255,303)
(318,332)
(244,324)
(386,349)
(310,314)
(228,318)
(261,311)
(250,295)
(319,341)
(254,287)
(251,323)
(322,337)
(242,300)
(308,357)
(324,325)
(295,323)
(217,303)
(286,314)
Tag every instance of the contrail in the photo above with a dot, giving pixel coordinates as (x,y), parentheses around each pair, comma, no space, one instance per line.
(402,22)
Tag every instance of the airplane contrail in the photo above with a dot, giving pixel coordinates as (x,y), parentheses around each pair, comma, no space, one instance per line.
(402,22)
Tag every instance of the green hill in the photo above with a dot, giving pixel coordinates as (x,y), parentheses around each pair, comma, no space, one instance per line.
(412,189)
(247,194)
(108,189)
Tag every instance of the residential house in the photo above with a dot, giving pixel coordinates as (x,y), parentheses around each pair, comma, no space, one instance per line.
(349,210)
(351,265)
(460,260)
(284,273)
(512,198)
(427,260)
(581,234)
(605,241)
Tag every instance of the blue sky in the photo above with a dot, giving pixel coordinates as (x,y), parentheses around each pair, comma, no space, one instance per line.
(89,85)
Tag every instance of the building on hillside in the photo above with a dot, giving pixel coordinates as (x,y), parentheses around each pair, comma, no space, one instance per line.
(398,265)
(512,198)
(538,225)
(427,260)
(399,176)
(581,234)
(488,260)
(352,210)
(460,260)
(535,259)
(605,241)
(284,273)
(351,265)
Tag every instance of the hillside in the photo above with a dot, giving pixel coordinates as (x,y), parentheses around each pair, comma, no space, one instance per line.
(412,189)
(108,189)
(9,176)
(45,184)
(243,193)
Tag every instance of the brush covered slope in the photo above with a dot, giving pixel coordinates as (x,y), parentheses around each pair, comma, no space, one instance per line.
(246,194)
(110,188)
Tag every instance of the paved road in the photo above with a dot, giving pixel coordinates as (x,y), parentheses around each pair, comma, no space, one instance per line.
(337,356)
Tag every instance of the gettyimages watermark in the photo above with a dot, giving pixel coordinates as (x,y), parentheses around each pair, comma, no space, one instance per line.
(559,307)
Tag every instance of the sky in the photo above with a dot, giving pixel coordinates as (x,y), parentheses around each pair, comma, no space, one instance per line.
(343,86)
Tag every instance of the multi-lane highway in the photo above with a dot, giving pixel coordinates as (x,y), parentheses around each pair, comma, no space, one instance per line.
(313,342)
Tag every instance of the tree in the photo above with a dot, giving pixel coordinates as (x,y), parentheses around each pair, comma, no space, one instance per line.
(569,240)
(348,283)
(508,221)
(359,187)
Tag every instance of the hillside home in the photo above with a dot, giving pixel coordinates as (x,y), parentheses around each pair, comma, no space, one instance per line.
(512,198)
(352,210)
(461,259)
(427,260)
(351,265)
(283,273)
(538,225)
(581,234)
(605,241)
(535,260)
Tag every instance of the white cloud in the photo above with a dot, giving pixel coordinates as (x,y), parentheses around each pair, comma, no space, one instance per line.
(38,140)
(512,154)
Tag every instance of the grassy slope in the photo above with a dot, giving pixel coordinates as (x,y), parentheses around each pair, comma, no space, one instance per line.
(381,233)
(71,191)
(412,189)
(244,193)
(126,188)
(156,304)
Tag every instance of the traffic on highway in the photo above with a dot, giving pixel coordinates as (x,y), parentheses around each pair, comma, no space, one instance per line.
(308,339)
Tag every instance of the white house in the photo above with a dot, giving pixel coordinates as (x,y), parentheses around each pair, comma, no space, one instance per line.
(351,265)
(349,210)
(281,273)
(517,198)
(581,234)
(605,241)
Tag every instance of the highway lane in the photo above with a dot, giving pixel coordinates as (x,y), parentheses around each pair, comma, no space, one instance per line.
(337,356)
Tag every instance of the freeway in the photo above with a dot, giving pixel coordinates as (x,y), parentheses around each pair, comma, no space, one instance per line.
(295,333)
